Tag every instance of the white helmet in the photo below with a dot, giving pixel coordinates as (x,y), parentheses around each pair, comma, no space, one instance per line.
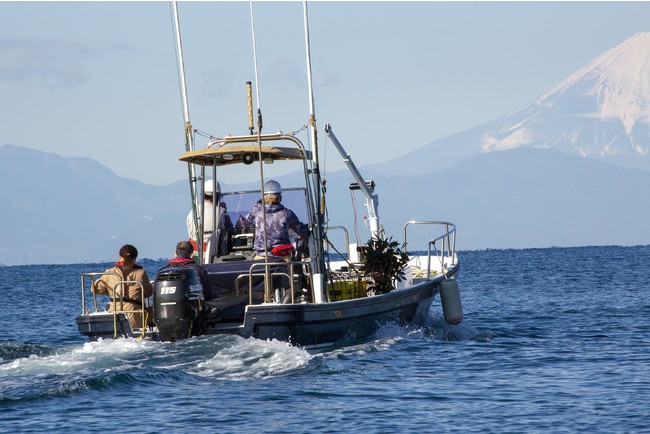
(208,188)
(272,187)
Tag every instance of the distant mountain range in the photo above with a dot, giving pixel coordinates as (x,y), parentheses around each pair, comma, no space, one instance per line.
(67,210)
(568,169)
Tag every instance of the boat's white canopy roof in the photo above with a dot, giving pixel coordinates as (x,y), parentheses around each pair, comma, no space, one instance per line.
(226,151)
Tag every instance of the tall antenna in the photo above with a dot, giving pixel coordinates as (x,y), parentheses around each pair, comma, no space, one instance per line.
(319,187)
(312,110)
(267,274)
(257,81)
(189,142)
(189,137)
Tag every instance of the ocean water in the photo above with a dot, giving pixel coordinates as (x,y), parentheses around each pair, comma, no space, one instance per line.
(554,340)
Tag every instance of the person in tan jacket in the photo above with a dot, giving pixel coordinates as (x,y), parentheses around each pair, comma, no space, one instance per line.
(126,270)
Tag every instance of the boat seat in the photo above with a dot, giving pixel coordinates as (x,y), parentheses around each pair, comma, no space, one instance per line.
(236,245)
(211,248)
(232,258)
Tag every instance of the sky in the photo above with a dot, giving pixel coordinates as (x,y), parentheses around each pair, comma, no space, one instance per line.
(100,80)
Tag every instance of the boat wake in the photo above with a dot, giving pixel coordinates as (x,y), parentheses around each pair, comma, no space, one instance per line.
(435,327)
(432,328)
(29,371)
(32,372)
(254,359)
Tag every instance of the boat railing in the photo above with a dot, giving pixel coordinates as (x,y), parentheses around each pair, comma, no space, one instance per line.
(347,239)
(442,246)
(268,275)
(221,142)
(116,312)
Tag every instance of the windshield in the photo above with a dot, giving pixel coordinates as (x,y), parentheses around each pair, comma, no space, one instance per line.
(240,203)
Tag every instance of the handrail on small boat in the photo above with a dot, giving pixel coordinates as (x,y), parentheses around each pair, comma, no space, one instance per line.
(267,295)
(279,136)
(141,311)
(448,243)
(347,237)
(250,291)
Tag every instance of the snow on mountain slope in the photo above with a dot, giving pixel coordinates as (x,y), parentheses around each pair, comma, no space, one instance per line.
(601,111)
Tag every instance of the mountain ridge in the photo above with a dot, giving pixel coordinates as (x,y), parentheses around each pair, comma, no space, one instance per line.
(602,111)
(570,168)
(519,198)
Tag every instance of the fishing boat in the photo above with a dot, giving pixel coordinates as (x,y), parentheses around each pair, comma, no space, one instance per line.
(314,291)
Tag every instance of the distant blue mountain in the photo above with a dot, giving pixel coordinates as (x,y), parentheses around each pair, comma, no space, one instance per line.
(66,210)
(69,210)
(526,197)
(532,197)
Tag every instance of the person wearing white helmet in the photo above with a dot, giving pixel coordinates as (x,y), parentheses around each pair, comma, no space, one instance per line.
(272,187)
(279,220)
(210,211)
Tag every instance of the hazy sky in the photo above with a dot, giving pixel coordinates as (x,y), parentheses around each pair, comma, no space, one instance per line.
(99,79)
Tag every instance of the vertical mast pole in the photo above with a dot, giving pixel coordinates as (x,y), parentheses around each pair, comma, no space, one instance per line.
(312,110)
(189,142)
(312,117)
(189,138)
(267,273)
(318,234)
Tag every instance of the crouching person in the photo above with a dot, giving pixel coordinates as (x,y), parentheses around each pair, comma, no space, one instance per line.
(184,259)
(126,296)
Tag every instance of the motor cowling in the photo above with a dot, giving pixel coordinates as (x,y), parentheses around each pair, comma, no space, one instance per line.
(178,303)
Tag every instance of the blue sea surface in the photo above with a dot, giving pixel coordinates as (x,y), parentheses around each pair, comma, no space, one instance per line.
(554,340)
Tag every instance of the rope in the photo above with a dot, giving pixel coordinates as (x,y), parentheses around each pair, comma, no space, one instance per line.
(419,272)
(146,322)
(304,127)
(204,134)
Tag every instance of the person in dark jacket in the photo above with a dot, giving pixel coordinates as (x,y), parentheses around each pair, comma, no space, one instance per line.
(278,222)
(184,259)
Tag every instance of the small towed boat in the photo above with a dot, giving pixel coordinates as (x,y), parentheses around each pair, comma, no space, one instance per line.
(314,292)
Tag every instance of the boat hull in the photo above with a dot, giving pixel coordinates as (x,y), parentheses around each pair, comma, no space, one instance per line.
(104,325)
(309,325)
(315,325)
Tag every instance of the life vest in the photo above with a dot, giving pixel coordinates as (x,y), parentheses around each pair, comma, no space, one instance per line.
(195,245)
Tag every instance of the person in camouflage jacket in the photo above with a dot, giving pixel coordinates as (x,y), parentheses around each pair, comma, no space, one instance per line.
(279,220)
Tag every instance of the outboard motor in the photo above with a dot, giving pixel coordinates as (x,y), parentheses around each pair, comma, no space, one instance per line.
(178,303)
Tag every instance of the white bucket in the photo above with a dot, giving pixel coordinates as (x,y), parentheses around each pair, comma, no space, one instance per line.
(452,308)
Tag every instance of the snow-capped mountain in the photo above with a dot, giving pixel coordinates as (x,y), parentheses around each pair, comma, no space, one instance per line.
(601,111)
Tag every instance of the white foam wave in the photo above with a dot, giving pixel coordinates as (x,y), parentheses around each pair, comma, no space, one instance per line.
(253,359)
(106,354)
